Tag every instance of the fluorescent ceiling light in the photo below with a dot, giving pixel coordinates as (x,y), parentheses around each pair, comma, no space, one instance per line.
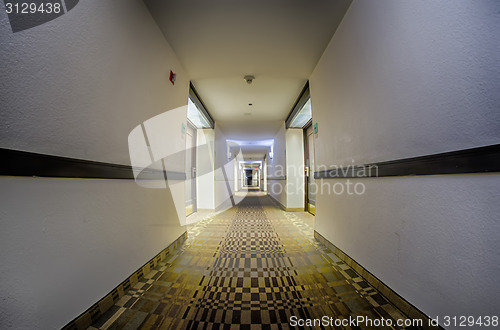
(195,116)
(303,116)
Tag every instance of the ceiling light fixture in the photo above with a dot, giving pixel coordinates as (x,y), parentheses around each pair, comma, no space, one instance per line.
(249,79)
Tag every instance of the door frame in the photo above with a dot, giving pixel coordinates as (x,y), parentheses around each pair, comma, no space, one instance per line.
(307,169)
(192,168)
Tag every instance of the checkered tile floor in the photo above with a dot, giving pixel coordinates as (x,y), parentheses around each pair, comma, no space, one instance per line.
(250,267)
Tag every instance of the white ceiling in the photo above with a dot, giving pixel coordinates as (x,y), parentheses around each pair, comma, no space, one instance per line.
(254,152)
(220,41)
(255,133)
(251,149)
(242,130)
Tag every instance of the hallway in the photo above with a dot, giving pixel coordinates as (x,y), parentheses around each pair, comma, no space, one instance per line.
(131,131)
(251,264)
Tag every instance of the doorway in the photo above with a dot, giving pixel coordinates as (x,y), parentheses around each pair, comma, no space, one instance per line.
(251,177)
(310,191)
(190,168)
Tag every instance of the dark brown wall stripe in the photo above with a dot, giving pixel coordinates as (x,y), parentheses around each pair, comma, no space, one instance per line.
(22,163)
(476,160)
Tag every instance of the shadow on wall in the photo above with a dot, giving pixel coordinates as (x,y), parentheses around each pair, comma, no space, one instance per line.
(157,156)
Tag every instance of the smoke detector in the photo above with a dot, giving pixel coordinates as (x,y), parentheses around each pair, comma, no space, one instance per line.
(249,79)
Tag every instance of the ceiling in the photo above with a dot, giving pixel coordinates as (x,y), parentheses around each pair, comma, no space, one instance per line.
(242,130)
(253,152)
(218,42)
(257,135)
(250,148)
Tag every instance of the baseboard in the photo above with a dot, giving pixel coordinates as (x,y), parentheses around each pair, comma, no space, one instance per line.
(281,206)
(227,204)
(294,209)
(189,209)
(404,306)
(205,210)
(311,208)
(99,308)
(284,208)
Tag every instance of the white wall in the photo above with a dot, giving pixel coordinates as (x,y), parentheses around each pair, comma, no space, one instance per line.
(224,180)
(285,172)
(264,172)
(76,87)
(79,84)
(295,190)
(65,243)
(402,79)
(432,239)
(394,68)
(276,171)
(205,188)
